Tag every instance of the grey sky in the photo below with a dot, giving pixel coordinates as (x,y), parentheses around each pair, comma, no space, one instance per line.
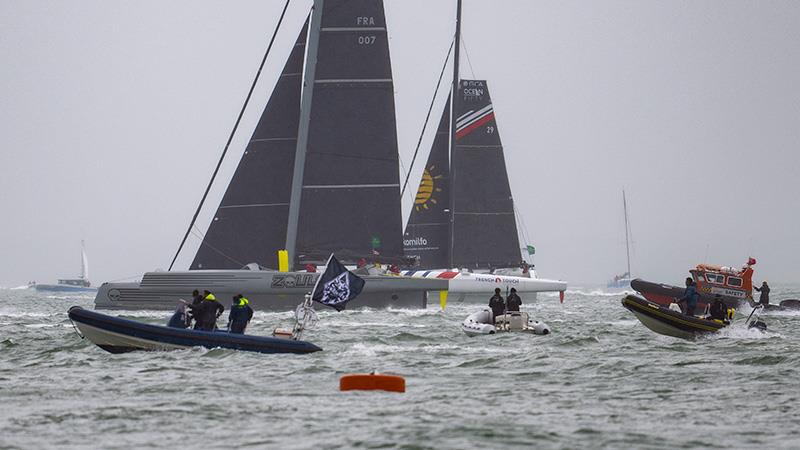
(114,114)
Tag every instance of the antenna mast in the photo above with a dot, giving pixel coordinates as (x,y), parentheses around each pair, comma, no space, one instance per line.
(453,94)
(627,244)
(302,131)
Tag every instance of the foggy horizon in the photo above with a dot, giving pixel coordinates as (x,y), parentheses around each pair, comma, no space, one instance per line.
(115,115)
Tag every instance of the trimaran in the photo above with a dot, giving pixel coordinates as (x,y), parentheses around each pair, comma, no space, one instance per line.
(463,215)
(320,175)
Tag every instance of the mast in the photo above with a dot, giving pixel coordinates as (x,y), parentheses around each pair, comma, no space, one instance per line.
(302,132)
(627,244)
(453,112)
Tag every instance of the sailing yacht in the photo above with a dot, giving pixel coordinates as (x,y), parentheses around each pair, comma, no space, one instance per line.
(623,281)
(80,284)
(463,215)
(320,175)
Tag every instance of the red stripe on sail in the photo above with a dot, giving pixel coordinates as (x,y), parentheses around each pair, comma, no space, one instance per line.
(447,275)
(467,130)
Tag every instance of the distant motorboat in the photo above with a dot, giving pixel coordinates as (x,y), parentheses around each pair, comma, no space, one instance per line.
(622,281)
(80,284)
(483,322)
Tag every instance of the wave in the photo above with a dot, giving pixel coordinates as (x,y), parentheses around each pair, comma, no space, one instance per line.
(585,293)
(740,331)
(764,360)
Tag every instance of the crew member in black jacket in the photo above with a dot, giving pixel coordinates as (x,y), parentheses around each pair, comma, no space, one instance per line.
(513,302)
(206,313)
(497,304)
(764,298)
(718,310)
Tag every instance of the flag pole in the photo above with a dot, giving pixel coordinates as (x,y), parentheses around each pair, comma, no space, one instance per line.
(307,308)
(327,263)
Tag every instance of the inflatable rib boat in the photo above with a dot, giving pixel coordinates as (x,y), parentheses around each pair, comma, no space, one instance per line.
(117,335)
(791,304)
(665,321)
(483,322)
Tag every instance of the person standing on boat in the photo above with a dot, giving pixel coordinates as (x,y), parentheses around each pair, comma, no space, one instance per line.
(497,304)
(180,318)
(764,298)
(196,297)
(513,302)
(207,312)
(240,314)
(718,310)
(690,296)
(196,300)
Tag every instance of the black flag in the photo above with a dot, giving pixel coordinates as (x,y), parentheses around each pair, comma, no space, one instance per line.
(337,285)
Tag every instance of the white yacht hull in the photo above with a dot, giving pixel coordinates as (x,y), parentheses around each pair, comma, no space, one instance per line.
(478,285)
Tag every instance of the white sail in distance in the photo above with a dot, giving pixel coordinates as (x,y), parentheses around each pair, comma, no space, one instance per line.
(84,262)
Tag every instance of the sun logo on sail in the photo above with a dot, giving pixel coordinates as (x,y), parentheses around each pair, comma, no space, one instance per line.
(427,189)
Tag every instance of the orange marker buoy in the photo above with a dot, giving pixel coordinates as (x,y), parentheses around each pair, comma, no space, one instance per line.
(372,382)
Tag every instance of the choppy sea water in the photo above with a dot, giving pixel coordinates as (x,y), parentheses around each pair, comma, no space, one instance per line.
(601,380)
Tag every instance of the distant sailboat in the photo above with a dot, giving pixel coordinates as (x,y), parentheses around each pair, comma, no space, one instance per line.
(80,284)
(320,175)
(623,280)
(463,218)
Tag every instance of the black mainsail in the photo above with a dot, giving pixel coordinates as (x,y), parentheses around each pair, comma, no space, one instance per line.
(484,225)
(250,223)
(427,235)
(350,200)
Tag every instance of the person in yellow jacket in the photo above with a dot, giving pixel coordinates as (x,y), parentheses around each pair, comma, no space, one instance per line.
(240,314)
(206,313)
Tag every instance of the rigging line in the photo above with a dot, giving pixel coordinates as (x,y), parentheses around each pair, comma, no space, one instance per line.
(525,237)
(427,118)
(230,138)
(198,232)
(403,169)
(522,231)
(466,52)
(126,278)
(219,251)
(356,157)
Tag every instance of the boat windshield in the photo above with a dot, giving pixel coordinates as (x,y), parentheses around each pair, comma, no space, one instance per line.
(715,278)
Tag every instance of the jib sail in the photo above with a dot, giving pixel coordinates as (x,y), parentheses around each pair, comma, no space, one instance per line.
(484,225)
(427,235)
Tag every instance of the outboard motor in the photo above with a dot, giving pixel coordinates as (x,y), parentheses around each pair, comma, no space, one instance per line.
(758,324)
